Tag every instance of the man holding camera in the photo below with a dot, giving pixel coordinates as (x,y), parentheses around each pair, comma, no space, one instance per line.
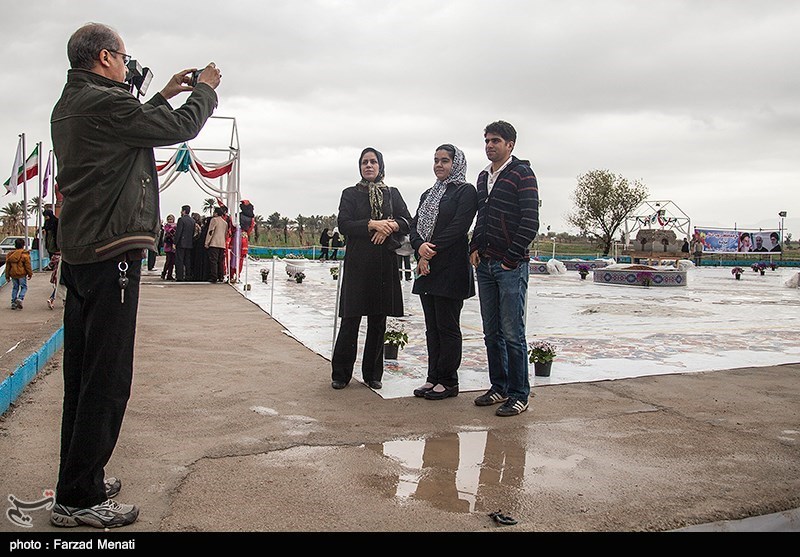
(103,139)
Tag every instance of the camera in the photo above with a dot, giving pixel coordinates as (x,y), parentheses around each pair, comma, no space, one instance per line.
(195,75)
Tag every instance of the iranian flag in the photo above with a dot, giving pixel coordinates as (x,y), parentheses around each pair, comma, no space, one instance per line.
(24,172)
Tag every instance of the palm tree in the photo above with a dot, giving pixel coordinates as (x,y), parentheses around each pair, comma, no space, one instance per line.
(301,223)
(12,217)
(33,205)
(259,223)
(209,205)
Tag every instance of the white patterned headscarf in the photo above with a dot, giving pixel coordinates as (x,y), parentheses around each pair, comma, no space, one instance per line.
(429,209)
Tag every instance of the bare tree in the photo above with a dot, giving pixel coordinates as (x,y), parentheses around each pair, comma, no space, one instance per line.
(602,202)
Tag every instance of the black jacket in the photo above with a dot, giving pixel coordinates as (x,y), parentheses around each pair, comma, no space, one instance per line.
(451,273)
(371,276)
(103,139)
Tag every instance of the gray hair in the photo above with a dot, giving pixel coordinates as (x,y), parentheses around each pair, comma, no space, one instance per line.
(86,43)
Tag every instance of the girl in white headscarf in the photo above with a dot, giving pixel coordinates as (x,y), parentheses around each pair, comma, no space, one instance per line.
(444,274)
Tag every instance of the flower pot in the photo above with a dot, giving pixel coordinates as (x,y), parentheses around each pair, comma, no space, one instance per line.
(762,272)
(542,369)
(738,276)
(390,351)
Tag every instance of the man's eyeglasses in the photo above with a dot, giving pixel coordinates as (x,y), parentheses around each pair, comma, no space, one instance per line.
(125,57)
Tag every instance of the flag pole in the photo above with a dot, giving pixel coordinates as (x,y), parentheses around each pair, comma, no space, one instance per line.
(24,195)
(39,209)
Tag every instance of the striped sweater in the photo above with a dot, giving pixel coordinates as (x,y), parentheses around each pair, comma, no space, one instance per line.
(508,219)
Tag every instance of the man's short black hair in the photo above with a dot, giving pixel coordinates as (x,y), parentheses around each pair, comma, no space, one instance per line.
(86,43)
(503,129)
(19,243)
(186,209)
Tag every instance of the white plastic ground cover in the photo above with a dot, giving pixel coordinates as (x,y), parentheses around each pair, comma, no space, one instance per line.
(603,332)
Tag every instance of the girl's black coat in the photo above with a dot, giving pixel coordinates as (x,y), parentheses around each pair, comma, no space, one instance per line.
(451,273)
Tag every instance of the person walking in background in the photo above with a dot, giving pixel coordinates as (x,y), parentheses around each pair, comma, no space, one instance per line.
(184,242)
(336,243)
(404,264)
(18,271)
(444,275)
(54,276)
(169,249)
(200,266)
(103,138)
(506,224)
(324,242)
(697,249)
(369,212)
(215,243)
(50,229)
(685,248)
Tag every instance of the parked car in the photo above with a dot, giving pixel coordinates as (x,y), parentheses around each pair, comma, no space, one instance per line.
(7,245)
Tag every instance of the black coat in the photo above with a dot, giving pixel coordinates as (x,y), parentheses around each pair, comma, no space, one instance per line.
(451,273)
(370,277)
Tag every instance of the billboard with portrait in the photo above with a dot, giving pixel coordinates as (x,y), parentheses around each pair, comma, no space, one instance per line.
(720,240)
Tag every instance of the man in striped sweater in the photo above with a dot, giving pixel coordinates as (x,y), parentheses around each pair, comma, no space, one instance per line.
(506,224)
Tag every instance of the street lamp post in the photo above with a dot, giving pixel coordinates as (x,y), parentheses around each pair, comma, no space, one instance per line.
(782,215)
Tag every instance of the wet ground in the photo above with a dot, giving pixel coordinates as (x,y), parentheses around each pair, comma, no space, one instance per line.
(233,426)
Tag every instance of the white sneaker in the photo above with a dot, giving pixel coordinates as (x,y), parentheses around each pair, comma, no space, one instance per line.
(108,514)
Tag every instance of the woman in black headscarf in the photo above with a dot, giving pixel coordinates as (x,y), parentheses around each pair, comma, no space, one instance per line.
(439,236)
(50,232)
(369,212)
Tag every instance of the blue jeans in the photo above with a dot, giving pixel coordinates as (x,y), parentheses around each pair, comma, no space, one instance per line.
(19,286)
(503,296)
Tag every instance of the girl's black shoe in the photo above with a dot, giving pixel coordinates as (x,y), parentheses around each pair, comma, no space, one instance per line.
(446,393)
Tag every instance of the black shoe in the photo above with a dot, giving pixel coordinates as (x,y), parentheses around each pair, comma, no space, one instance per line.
(446,393)
(338,384)
(375,385)
(420,392)
(490,397)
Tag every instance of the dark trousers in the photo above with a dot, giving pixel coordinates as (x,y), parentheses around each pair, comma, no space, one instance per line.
(169,265)
(404,263)
(183,264)
(151,260)
(216,260)
(346,348)
(443,338)
(323,253)
(99,332)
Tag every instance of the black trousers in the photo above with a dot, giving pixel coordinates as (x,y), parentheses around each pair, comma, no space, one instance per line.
(183,264)
(346,348)
(99,332)
(443,338)
(151,260)
(216,261)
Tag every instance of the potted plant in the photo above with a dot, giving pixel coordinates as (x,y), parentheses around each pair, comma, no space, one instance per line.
(334,273)
(299,276)
(759,267)
(737,272)
(394,338)
(541,354)
(773,265)
(264,275)
(583,269)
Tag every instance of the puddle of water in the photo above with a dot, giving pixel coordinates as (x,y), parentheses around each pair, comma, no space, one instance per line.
(452,471)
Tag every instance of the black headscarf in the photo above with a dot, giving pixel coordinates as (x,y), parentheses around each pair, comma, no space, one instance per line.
(50,220)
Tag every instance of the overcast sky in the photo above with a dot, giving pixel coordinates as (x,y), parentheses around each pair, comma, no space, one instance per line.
(699,100)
